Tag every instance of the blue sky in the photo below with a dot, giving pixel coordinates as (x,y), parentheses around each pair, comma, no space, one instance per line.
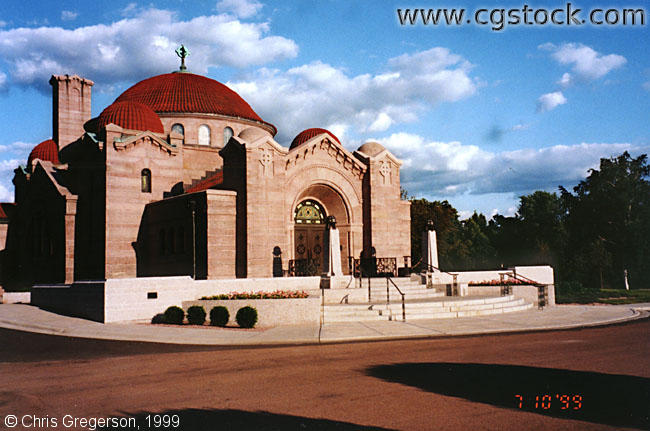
(479,117)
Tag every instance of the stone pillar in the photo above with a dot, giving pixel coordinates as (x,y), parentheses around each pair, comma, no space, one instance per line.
(332,249)
(70,218)
(430,247)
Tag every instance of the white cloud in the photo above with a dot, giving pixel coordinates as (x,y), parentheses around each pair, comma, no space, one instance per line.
(318,94)
(382,123)
(3,23)
(6,174)
(451,169)
(18,148)
(646,85)
(550,101)
(587,64)
(240,8)
(6,195)
(122,51)
(3,81)
(565,81)
(68,15)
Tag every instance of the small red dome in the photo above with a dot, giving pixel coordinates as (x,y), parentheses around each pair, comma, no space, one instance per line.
(47,151)
(307,134)
(131,115)
(190,93)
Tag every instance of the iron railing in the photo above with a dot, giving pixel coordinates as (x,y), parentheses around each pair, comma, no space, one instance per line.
(542,289)
(375,267)
(390,281)
(303,267)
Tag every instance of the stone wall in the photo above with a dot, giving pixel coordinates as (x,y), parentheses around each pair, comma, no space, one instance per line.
(270,312)
(142,298)
(125,200)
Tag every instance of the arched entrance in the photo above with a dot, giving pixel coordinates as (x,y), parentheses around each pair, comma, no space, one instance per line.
(310,213)
(309,219)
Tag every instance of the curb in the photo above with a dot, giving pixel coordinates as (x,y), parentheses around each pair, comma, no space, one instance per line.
(637,314)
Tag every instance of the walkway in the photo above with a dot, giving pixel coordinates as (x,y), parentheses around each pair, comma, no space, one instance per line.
(28,318)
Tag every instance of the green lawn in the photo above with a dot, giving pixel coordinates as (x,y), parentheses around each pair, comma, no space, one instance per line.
(605,296)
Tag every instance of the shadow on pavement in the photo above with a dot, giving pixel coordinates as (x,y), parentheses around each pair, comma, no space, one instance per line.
(19,346)
(610,399)
(213,419)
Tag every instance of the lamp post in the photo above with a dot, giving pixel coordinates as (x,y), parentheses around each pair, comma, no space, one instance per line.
(191,204)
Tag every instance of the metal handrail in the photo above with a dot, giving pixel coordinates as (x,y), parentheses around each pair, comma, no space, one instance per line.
(389,279)
(542,289)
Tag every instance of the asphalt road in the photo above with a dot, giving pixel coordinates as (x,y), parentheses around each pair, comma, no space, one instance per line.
(595,378)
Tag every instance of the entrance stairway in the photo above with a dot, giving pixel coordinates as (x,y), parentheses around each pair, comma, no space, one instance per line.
(352,305)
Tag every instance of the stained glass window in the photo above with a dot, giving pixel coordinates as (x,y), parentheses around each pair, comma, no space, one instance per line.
(309,212)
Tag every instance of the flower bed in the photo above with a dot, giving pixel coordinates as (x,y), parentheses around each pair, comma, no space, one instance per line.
(277,294)
(508,281)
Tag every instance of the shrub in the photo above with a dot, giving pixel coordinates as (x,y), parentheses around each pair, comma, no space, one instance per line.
(158,319)
(246,317)
(174,315)
(219,316)
(196,315)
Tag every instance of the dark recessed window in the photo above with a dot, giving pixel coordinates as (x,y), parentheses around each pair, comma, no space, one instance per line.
(178,128)
(161,241)
(145,181)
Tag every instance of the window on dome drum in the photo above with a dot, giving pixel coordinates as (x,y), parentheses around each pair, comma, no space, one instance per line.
(204,135)
(145,181)
(227,134)
(178,128)
(309,212)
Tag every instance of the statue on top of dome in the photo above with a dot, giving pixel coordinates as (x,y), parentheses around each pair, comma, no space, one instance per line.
(182,52)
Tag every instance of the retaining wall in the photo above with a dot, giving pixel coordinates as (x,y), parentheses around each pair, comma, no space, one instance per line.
(270,312)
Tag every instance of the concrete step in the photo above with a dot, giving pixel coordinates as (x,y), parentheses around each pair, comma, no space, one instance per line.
(430,308)
(336,296)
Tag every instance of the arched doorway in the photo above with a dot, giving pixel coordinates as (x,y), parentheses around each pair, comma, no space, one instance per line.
(309,228)
(311,209)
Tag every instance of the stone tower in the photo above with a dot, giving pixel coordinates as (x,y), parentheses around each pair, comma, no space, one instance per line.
(70,107)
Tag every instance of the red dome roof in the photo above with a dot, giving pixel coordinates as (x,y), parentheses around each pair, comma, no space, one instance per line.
(47,151)
(307,134)
(186,92)
(131,115)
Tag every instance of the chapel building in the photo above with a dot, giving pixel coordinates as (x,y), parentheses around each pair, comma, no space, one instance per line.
(180,176)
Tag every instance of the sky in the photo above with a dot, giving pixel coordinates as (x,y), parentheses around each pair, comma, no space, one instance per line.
(478,116)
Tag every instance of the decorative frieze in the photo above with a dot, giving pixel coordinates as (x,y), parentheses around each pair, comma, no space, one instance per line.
(337,153)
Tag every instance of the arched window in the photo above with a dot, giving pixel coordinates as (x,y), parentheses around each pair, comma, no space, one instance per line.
(309,212)
(178,128)
(204,135)
(227,134)
(145,181)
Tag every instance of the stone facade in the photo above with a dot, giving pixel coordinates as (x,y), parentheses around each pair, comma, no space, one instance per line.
(140,196)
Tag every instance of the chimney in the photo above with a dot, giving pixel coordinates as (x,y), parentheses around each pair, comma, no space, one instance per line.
(70,107)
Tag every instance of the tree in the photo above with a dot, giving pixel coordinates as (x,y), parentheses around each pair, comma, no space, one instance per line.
(542,226)
(447,226)
(609,219)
